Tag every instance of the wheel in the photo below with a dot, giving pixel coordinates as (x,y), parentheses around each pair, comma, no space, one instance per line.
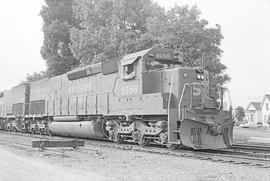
(143,141)
(172,146)
(118,138)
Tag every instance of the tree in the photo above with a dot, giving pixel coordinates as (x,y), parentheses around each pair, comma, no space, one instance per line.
(36,76)
(58,18)
(82,32)
(183,28)
(239,114)
(113,28)
(108,28)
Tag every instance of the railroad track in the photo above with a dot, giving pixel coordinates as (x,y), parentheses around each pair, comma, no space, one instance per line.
(225,156)
(253,148)
(252,155)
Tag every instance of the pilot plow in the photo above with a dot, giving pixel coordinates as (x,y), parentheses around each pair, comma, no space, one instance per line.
(205,135)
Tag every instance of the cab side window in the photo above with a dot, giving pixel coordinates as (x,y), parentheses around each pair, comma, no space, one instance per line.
(129,72)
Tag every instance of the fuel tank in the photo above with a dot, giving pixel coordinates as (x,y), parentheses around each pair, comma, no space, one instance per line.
(66,118)
(83,129)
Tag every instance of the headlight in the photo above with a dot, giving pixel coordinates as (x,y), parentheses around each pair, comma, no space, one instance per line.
(200,77)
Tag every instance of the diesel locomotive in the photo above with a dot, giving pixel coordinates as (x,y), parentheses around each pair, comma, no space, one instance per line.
(145,97)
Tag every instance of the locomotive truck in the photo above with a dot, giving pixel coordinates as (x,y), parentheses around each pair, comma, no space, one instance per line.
(145,97)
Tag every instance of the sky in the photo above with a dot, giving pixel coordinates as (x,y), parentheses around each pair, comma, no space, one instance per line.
(244,24)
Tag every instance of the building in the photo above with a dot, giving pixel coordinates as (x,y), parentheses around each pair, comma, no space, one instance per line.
(254,114)
(265,107)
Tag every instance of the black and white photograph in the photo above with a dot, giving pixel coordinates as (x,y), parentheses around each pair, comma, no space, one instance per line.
(135,90)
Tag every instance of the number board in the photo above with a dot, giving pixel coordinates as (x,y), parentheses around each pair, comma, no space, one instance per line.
(163,56)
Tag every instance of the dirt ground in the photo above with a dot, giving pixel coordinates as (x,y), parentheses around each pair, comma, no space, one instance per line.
(14,168)
(102,163)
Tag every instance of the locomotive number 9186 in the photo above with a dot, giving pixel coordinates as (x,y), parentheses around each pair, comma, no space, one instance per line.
(163,56)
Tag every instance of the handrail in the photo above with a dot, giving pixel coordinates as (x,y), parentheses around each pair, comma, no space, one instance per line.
(182,94)
(115,80)
(170,95)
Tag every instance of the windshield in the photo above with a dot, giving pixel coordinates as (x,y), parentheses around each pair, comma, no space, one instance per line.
(156,65)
